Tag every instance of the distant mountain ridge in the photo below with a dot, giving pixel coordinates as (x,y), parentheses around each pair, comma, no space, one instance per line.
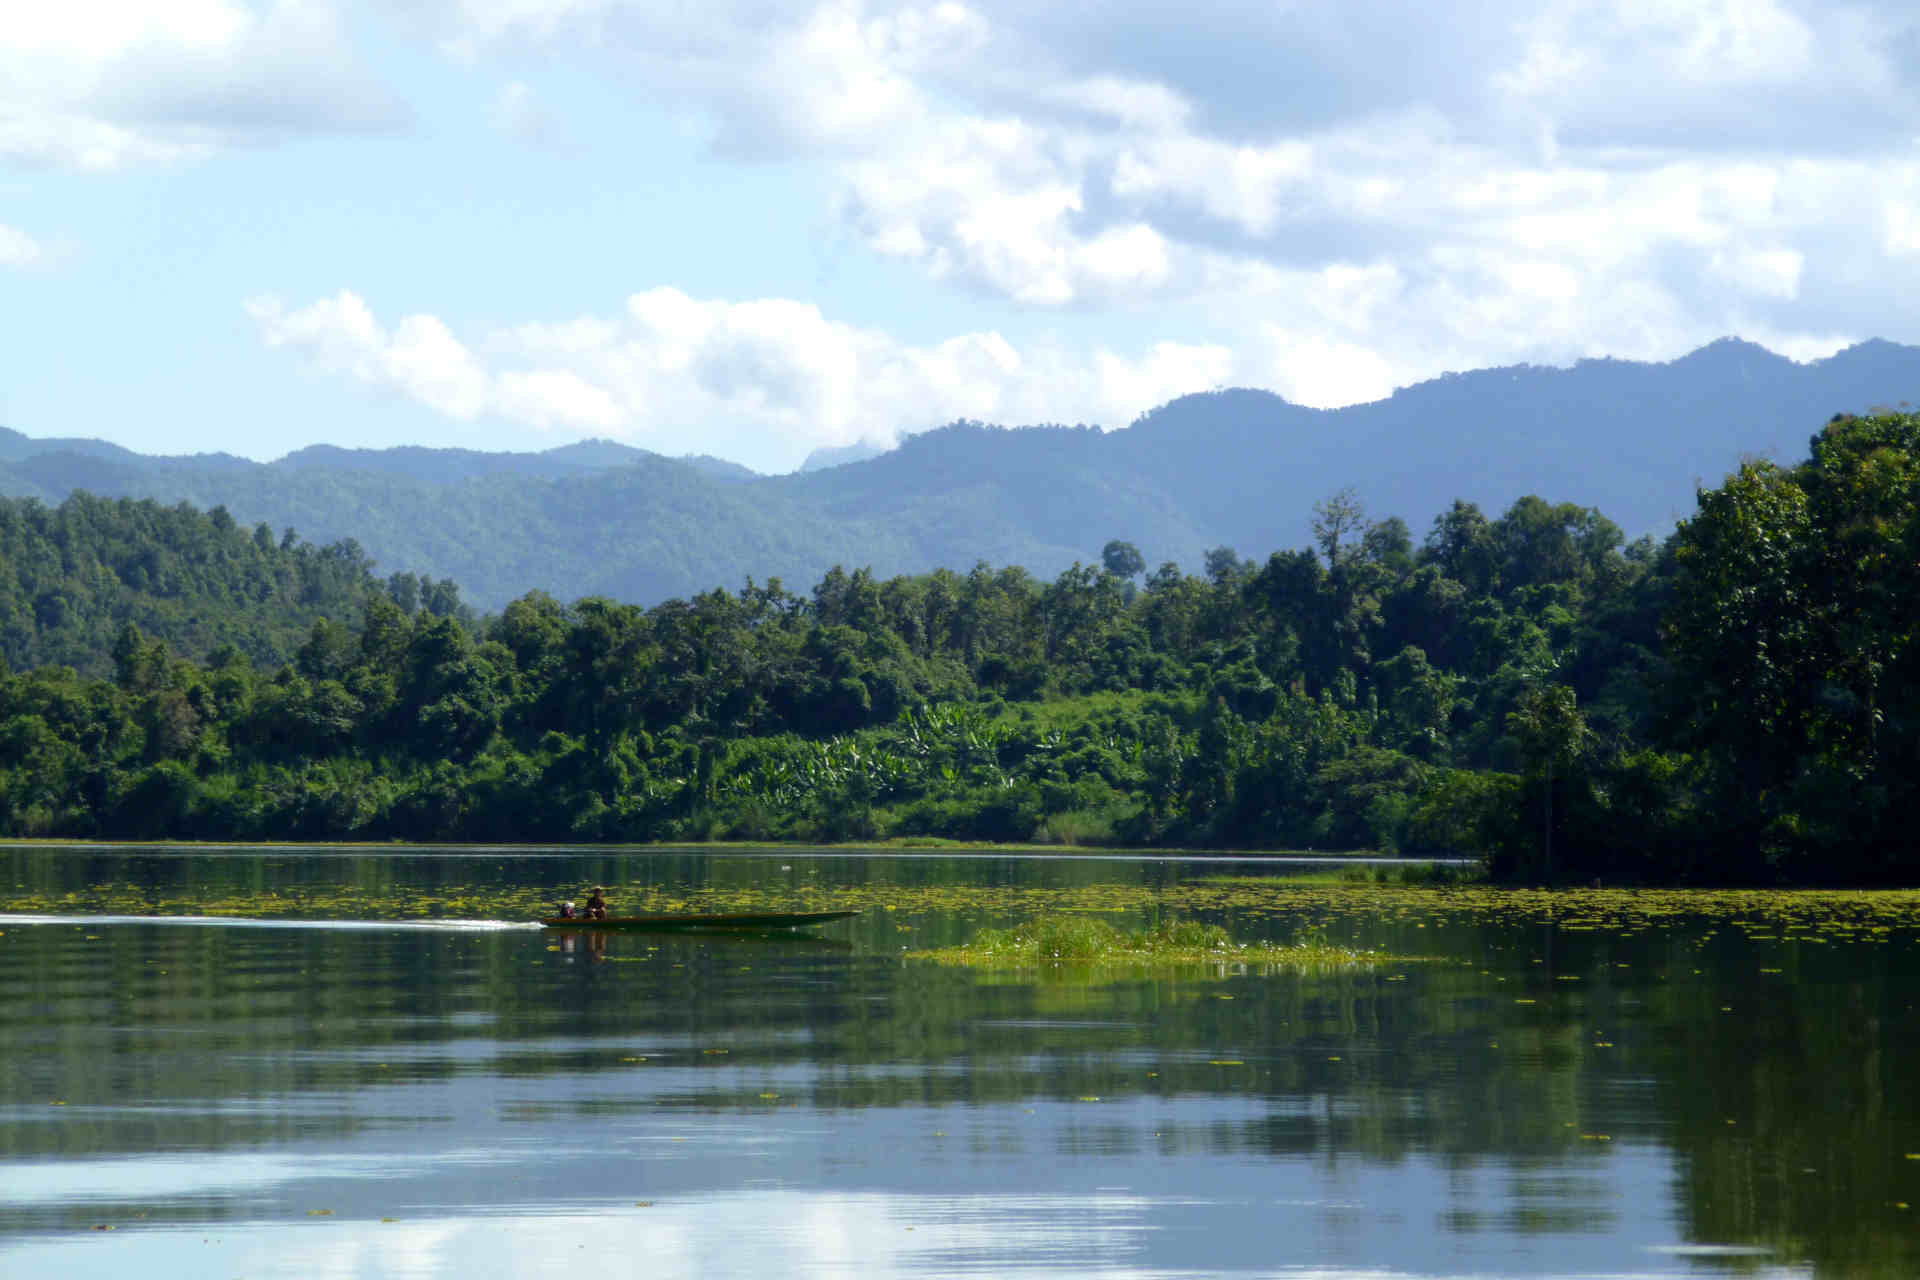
(1239,468)
(839,455)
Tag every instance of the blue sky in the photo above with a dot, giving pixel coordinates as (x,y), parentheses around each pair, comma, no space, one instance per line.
(754,229)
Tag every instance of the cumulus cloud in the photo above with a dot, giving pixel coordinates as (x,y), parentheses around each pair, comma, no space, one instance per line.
(419,358)
(101,85)
(519,113)
(18,249)
(1351,195)
(1771,75)
(1524,174)
(681,374)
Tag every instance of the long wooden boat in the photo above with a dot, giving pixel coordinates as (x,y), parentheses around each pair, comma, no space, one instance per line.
(729,920)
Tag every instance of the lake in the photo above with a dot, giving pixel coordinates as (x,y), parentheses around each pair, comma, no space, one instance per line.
(366,1063)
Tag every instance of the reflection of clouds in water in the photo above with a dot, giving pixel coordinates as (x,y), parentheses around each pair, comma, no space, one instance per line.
(106,1181)
(508,1223)
(870,1236)
(199,1175)
(929,1235)
(864,1234)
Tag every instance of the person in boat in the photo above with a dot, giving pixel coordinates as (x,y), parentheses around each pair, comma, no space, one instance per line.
(597,906)
(566,911)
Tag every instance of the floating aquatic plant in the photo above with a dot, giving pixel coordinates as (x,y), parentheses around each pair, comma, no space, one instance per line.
(1081,941)
(408,886)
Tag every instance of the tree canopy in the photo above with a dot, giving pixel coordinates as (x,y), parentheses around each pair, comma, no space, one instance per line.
(1736,704)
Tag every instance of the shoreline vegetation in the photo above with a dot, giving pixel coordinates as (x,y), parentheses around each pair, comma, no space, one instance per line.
(1738,704)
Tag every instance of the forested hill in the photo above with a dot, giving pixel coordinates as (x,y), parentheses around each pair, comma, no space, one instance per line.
(72,577)
(1740,702)
(1238,469)
(1633,440)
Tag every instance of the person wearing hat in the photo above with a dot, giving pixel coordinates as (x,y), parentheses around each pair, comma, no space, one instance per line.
(597,906)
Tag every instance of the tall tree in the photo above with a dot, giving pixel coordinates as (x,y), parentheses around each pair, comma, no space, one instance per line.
(1123,559)
(1553,738)
(1792,634)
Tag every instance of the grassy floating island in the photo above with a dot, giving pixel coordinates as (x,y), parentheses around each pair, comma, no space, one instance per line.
(1087,941)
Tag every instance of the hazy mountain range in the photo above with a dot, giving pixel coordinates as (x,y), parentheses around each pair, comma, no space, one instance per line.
(1234,468)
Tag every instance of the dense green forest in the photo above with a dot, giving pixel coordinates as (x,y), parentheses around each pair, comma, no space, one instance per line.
(72,576)
(1738,703)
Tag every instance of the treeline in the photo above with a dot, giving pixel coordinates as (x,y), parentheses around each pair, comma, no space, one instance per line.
(72,576)
(1737,703)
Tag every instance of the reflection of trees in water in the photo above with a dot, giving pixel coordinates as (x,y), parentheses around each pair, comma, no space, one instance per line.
(202,1039)
(185,1015)
(1792,1106)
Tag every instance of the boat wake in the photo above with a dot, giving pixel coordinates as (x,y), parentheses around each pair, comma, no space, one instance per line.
(249,922)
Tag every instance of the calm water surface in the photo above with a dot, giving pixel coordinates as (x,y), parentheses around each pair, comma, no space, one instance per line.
(1575,1089)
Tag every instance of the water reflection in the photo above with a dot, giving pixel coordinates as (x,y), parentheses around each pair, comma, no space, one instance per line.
(453,1100)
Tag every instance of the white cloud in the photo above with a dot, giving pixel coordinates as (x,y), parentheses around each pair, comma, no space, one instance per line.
(1712,44)
(1126,388)
(18,249)
(1135,104)
(101,85)
(519,113)
(676,373)
(1310,369)
(1803,348)
(1774,75)
(420,359)
(1246,186)
(426,361)
(557,398)
(1085,156)
(1349,194)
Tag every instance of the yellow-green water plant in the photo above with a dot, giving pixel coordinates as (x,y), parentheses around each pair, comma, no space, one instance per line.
(1079,942)
(276,887)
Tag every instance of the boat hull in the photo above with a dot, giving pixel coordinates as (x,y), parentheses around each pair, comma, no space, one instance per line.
(731,920)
